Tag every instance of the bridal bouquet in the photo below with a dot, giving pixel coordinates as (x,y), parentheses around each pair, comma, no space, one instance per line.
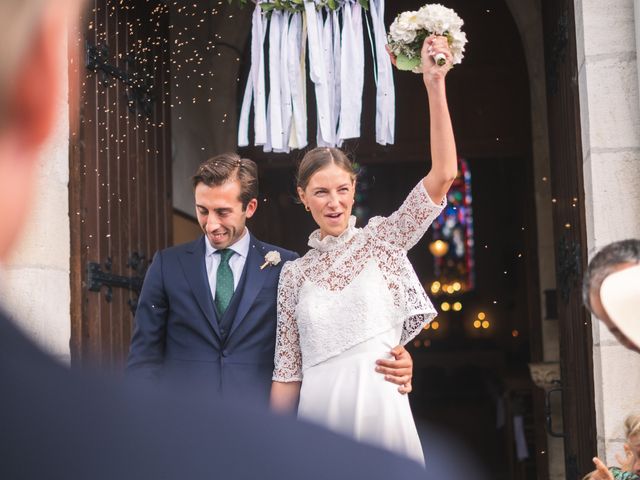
(409,29)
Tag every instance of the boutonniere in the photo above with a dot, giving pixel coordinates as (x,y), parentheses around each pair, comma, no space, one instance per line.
(271,258)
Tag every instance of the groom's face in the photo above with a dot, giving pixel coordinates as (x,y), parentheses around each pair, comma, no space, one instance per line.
(220,212)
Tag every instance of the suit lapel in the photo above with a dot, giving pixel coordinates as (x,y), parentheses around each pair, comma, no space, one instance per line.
(195,270)
(255,278)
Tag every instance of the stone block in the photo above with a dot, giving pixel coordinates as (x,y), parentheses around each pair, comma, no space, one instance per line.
(613,448)
(39,300)
(611,105)
(45,240)
(619,387)
(606,32)
(613,197)
(54,157)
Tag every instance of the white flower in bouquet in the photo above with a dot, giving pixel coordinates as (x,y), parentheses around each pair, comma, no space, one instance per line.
(409,29)
(405,29)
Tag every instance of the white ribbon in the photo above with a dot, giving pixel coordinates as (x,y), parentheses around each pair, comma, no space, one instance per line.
(317,71)
(326,136)
(351,72)
(252,90)
(285,81)
(336,67)
(255,86)
(385,93)
(243,124)
(296,67)
(336,62)
(274,107)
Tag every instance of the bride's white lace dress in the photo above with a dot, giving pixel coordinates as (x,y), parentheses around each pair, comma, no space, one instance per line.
(344,305)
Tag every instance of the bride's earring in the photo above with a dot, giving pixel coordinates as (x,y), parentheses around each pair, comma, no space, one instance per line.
(306,207)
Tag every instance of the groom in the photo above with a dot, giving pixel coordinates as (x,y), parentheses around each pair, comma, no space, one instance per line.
(207,310)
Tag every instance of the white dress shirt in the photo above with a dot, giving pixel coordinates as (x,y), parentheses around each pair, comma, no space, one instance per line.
(236,262)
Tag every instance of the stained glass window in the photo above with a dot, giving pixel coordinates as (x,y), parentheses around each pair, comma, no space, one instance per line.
(452,244)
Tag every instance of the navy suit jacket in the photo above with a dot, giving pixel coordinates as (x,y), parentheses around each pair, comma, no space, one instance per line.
(177,338)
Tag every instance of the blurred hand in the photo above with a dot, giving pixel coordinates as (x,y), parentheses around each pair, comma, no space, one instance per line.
(628,460)
(398,370)
(391,55)
(602,472)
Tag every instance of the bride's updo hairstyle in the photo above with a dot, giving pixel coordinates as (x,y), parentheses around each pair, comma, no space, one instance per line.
(319,158)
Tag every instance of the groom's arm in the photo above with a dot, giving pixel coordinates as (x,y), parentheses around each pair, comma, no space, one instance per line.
(398,370)
(146,352)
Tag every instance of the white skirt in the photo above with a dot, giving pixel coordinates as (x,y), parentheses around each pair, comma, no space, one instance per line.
(345,394)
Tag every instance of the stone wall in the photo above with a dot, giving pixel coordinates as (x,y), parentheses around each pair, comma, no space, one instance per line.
(36,288)
(610,116)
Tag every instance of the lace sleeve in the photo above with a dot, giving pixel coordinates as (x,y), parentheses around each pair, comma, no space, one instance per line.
(409,223)
(288,358)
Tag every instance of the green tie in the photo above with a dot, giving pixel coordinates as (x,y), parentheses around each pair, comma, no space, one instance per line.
(224,281)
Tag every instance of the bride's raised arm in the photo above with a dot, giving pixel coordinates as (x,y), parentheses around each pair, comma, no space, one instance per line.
(409,223)
(444,160)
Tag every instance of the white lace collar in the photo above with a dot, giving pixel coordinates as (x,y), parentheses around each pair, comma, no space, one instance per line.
(330,242)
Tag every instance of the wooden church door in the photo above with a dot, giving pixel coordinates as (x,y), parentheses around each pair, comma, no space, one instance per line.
(576,357)
(120,169)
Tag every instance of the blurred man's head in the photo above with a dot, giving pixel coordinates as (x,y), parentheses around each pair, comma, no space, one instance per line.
(32,34)
(610,266)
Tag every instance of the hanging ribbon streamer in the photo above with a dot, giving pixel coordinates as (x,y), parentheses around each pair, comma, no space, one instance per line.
(385,92)
(274,105)
(285,83)
(255,85)
(336,67)
(296,68)
(351,72)
(336,62)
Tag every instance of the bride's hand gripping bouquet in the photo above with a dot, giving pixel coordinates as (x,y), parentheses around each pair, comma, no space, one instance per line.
(409,30)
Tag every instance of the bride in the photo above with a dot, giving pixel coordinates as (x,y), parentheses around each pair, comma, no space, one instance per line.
(355,295)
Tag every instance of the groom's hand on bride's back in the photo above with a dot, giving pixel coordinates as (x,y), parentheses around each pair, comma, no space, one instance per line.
(398,370)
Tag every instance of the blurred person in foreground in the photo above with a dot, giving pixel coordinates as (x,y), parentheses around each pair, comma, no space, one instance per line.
(61,424)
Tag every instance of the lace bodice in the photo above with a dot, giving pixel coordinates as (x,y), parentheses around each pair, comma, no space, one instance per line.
(348,289)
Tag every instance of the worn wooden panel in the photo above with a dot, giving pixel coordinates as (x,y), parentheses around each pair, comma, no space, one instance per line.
(570,235)
(120,197)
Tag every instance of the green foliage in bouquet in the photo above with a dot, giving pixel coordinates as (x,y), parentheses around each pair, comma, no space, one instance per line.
(409,59)
(298,5)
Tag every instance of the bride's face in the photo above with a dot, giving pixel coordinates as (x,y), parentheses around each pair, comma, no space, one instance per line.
(329,196)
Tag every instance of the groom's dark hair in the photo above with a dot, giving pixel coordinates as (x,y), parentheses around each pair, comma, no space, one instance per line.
(229,167)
